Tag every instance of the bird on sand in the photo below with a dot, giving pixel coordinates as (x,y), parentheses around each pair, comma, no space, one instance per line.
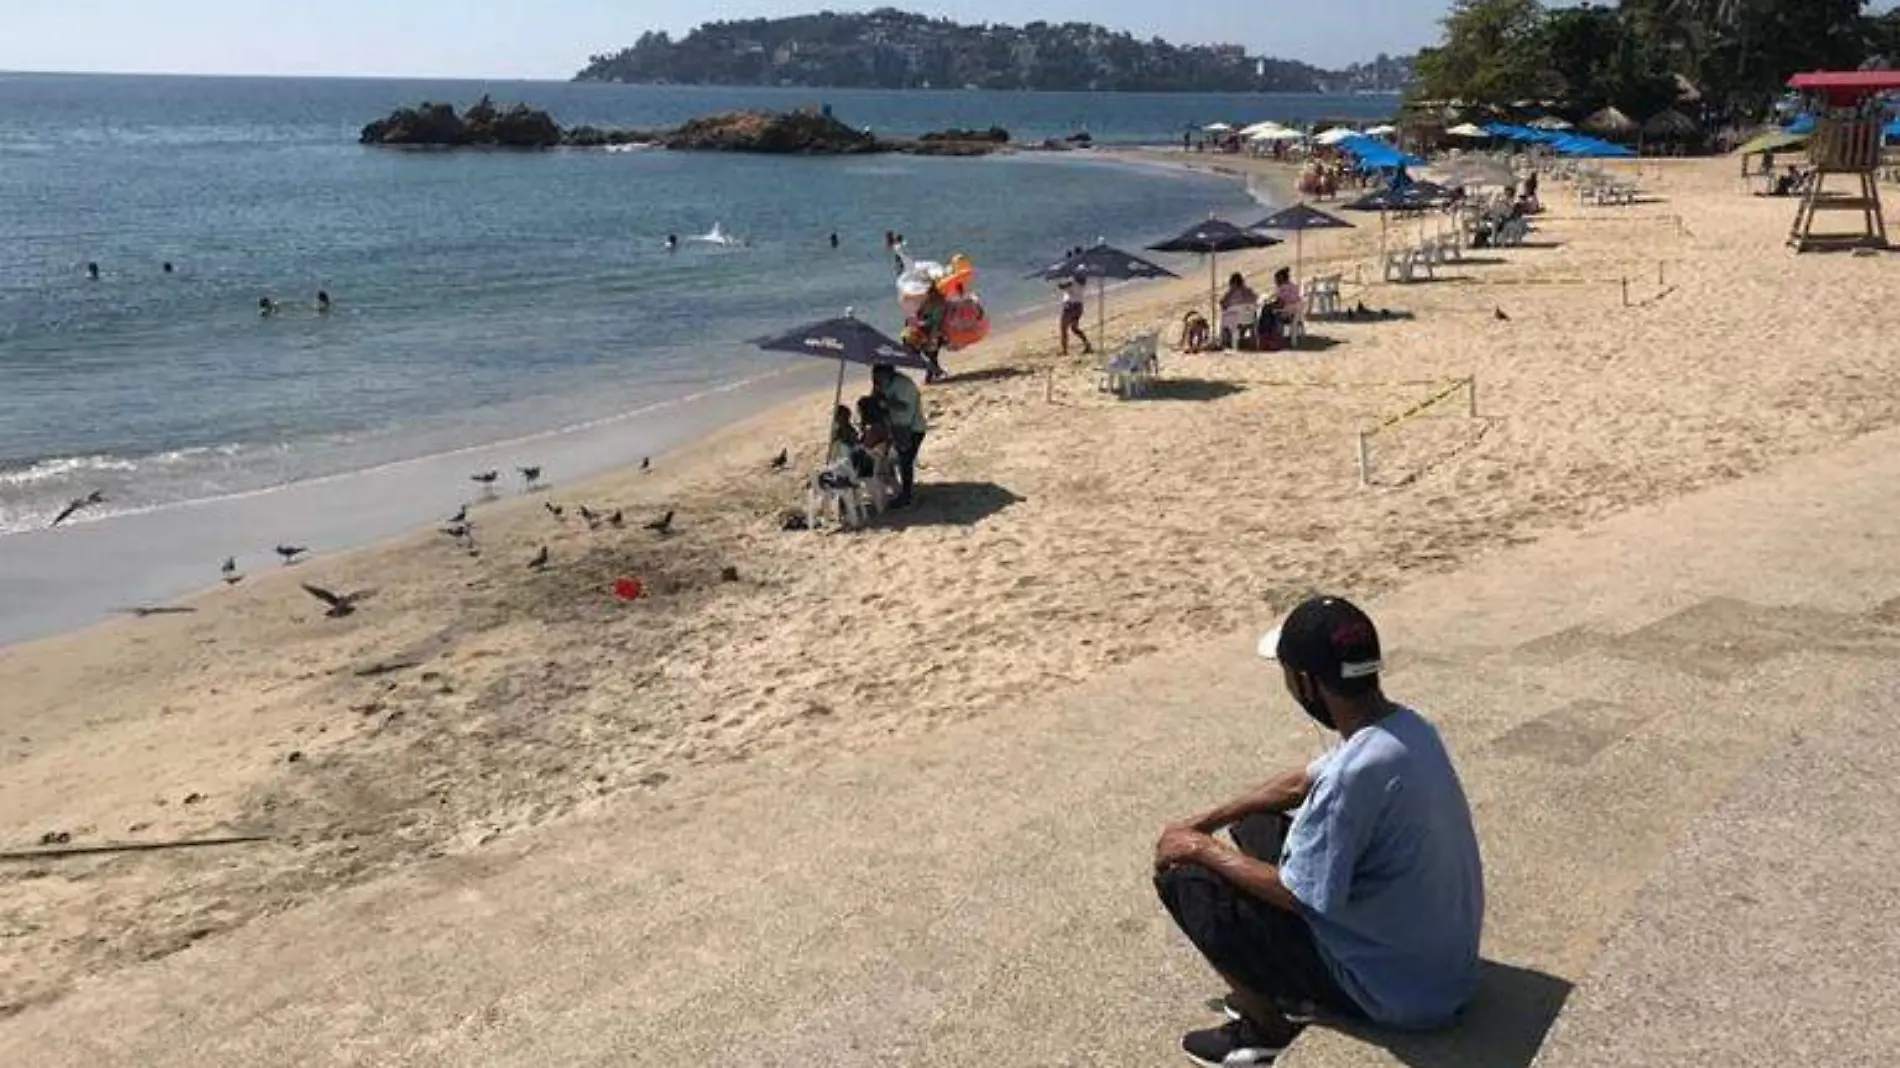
(662,525)
(554,510)
(530,475)
(460,516)
(72,507)
(616,520)
(592,517)
(290,553)
(646,463)
(778,462)
(1499,315)
(540,560)
(458,531)
(230,571)
(486,478)
(341,604)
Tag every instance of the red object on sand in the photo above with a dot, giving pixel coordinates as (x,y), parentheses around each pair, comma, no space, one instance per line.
(627,589)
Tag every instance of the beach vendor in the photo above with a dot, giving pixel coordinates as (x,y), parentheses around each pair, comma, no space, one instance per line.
(1352,887)
(905,406)
(927,336)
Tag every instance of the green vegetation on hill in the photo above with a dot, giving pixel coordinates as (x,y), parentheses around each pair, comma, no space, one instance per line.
(890,49)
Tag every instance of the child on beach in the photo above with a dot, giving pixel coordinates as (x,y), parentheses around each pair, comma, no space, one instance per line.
(1071,289)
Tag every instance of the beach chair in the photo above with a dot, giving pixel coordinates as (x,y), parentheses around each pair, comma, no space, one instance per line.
(833,496)
(1239,324)
(1400,264)
(1322,295)
(1295,324)
(1128,371)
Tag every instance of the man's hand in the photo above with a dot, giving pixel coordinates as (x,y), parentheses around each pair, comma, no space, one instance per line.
(1178,845)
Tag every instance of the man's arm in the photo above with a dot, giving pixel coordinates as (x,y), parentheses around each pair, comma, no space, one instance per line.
(1255,878)
(1282,793)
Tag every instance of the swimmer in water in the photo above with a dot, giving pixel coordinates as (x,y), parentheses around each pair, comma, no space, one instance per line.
(92,271)
(167,268)
(834,239)
(266,307)
(323,302)
(672,242)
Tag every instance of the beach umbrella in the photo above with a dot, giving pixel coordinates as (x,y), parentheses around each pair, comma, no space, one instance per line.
(1103,261)
(1550,122)
(1265,131)
(1218,127)
(1382,130)
(1336,135)
(1281,133)
(1211,238)
(1297,220)
(848,340)
(1469,130)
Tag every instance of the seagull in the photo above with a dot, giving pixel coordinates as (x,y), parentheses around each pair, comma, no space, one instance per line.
(592,517)
(646,463)
(73,506)
(341,604)
(230,571)
(530,475)
(1500,316)
(458,531)
(460,516)
(662,525)
(778,462)
(540,560)
(615,520)
(486,478)
(554,510)
(290,553)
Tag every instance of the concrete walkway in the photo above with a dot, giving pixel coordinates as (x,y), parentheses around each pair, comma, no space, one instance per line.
(980,896)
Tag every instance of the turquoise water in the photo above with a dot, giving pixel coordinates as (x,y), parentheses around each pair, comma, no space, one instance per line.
(478,296)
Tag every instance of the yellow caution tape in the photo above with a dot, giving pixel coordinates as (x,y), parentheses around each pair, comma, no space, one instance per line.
(1420,407)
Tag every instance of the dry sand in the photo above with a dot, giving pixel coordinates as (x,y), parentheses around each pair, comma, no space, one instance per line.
(474,698)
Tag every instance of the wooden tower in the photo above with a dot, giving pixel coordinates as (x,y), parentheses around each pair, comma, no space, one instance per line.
(1847,142)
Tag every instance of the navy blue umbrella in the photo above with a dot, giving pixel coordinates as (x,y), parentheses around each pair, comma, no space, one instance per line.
(1102,262)
(1211,238)
(1297,220)
(846,339)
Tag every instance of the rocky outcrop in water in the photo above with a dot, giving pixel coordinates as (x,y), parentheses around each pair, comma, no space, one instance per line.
(793,133)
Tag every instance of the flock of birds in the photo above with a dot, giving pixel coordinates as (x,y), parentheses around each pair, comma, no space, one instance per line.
(460,527)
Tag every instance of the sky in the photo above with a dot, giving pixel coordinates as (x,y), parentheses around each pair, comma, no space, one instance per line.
(553,38)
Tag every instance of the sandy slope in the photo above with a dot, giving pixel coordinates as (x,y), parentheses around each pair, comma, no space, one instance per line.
(1055,538)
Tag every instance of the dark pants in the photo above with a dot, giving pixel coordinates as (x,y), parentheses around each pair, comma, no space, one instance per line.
(908,443)
(1267,950)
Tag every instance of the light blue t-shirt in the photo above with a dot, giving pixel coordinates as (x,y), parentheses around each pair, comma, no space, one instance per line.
(1384,862)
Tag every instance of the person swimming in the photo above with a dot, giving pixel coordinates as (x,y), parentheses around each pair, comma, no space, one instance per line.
(834,239)
(167,268)
(266,307)
(92,271)
(672,242)
(323,302)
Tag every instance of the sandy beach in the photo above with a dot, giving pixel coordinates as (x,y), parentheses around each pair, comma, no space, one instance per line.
(1060,533)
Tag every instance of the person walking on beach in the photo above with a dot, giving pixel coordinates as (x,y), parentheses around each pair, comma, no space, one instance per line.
(905,407)
(1353,886)
(1072,314)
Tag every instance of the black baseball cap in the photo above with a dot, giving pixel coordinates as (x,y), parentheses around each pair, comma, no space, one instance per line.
(1326,637)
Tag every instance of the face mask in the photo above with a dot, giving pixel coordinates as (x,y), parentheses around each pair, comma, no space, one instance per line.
(1314,705)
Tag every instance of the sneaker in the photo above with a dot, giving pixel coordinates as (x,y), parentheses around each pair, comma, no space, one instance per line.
(1230,1045)
(1296,1013)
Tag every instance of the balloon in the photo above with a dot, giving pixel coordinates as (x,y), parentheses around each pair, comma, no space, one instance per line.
(964,323)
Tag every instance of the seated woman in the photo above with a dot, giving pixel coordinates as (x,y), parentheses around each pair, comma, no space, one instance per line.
(1194,332)
(1239,311)
(1282,306)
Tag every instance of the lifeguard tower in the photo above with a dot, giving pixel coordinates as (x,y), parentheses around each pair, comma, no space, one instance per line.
(1850,111)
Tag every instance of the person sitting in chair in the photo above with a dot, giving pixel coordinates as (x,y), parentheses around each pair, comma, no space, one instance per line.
(1280,310)
(1353,886)
(1239,310)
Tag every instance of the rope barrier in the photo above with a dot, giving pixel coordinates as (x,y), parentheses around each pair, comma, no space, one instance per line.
(1419,408)
(1468,385)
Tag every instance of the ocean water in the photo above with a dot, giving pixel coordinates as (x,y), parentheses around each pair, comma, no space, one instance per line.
(479,297)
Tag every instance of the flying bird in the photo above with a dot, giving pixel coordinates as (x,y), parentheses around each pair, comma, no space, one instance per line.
(230,571)
(540,560)
(341,604)
(554,510)
(486,478)
(662,525)
(72,507)
(778,462)
(290,553)
(530,475)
